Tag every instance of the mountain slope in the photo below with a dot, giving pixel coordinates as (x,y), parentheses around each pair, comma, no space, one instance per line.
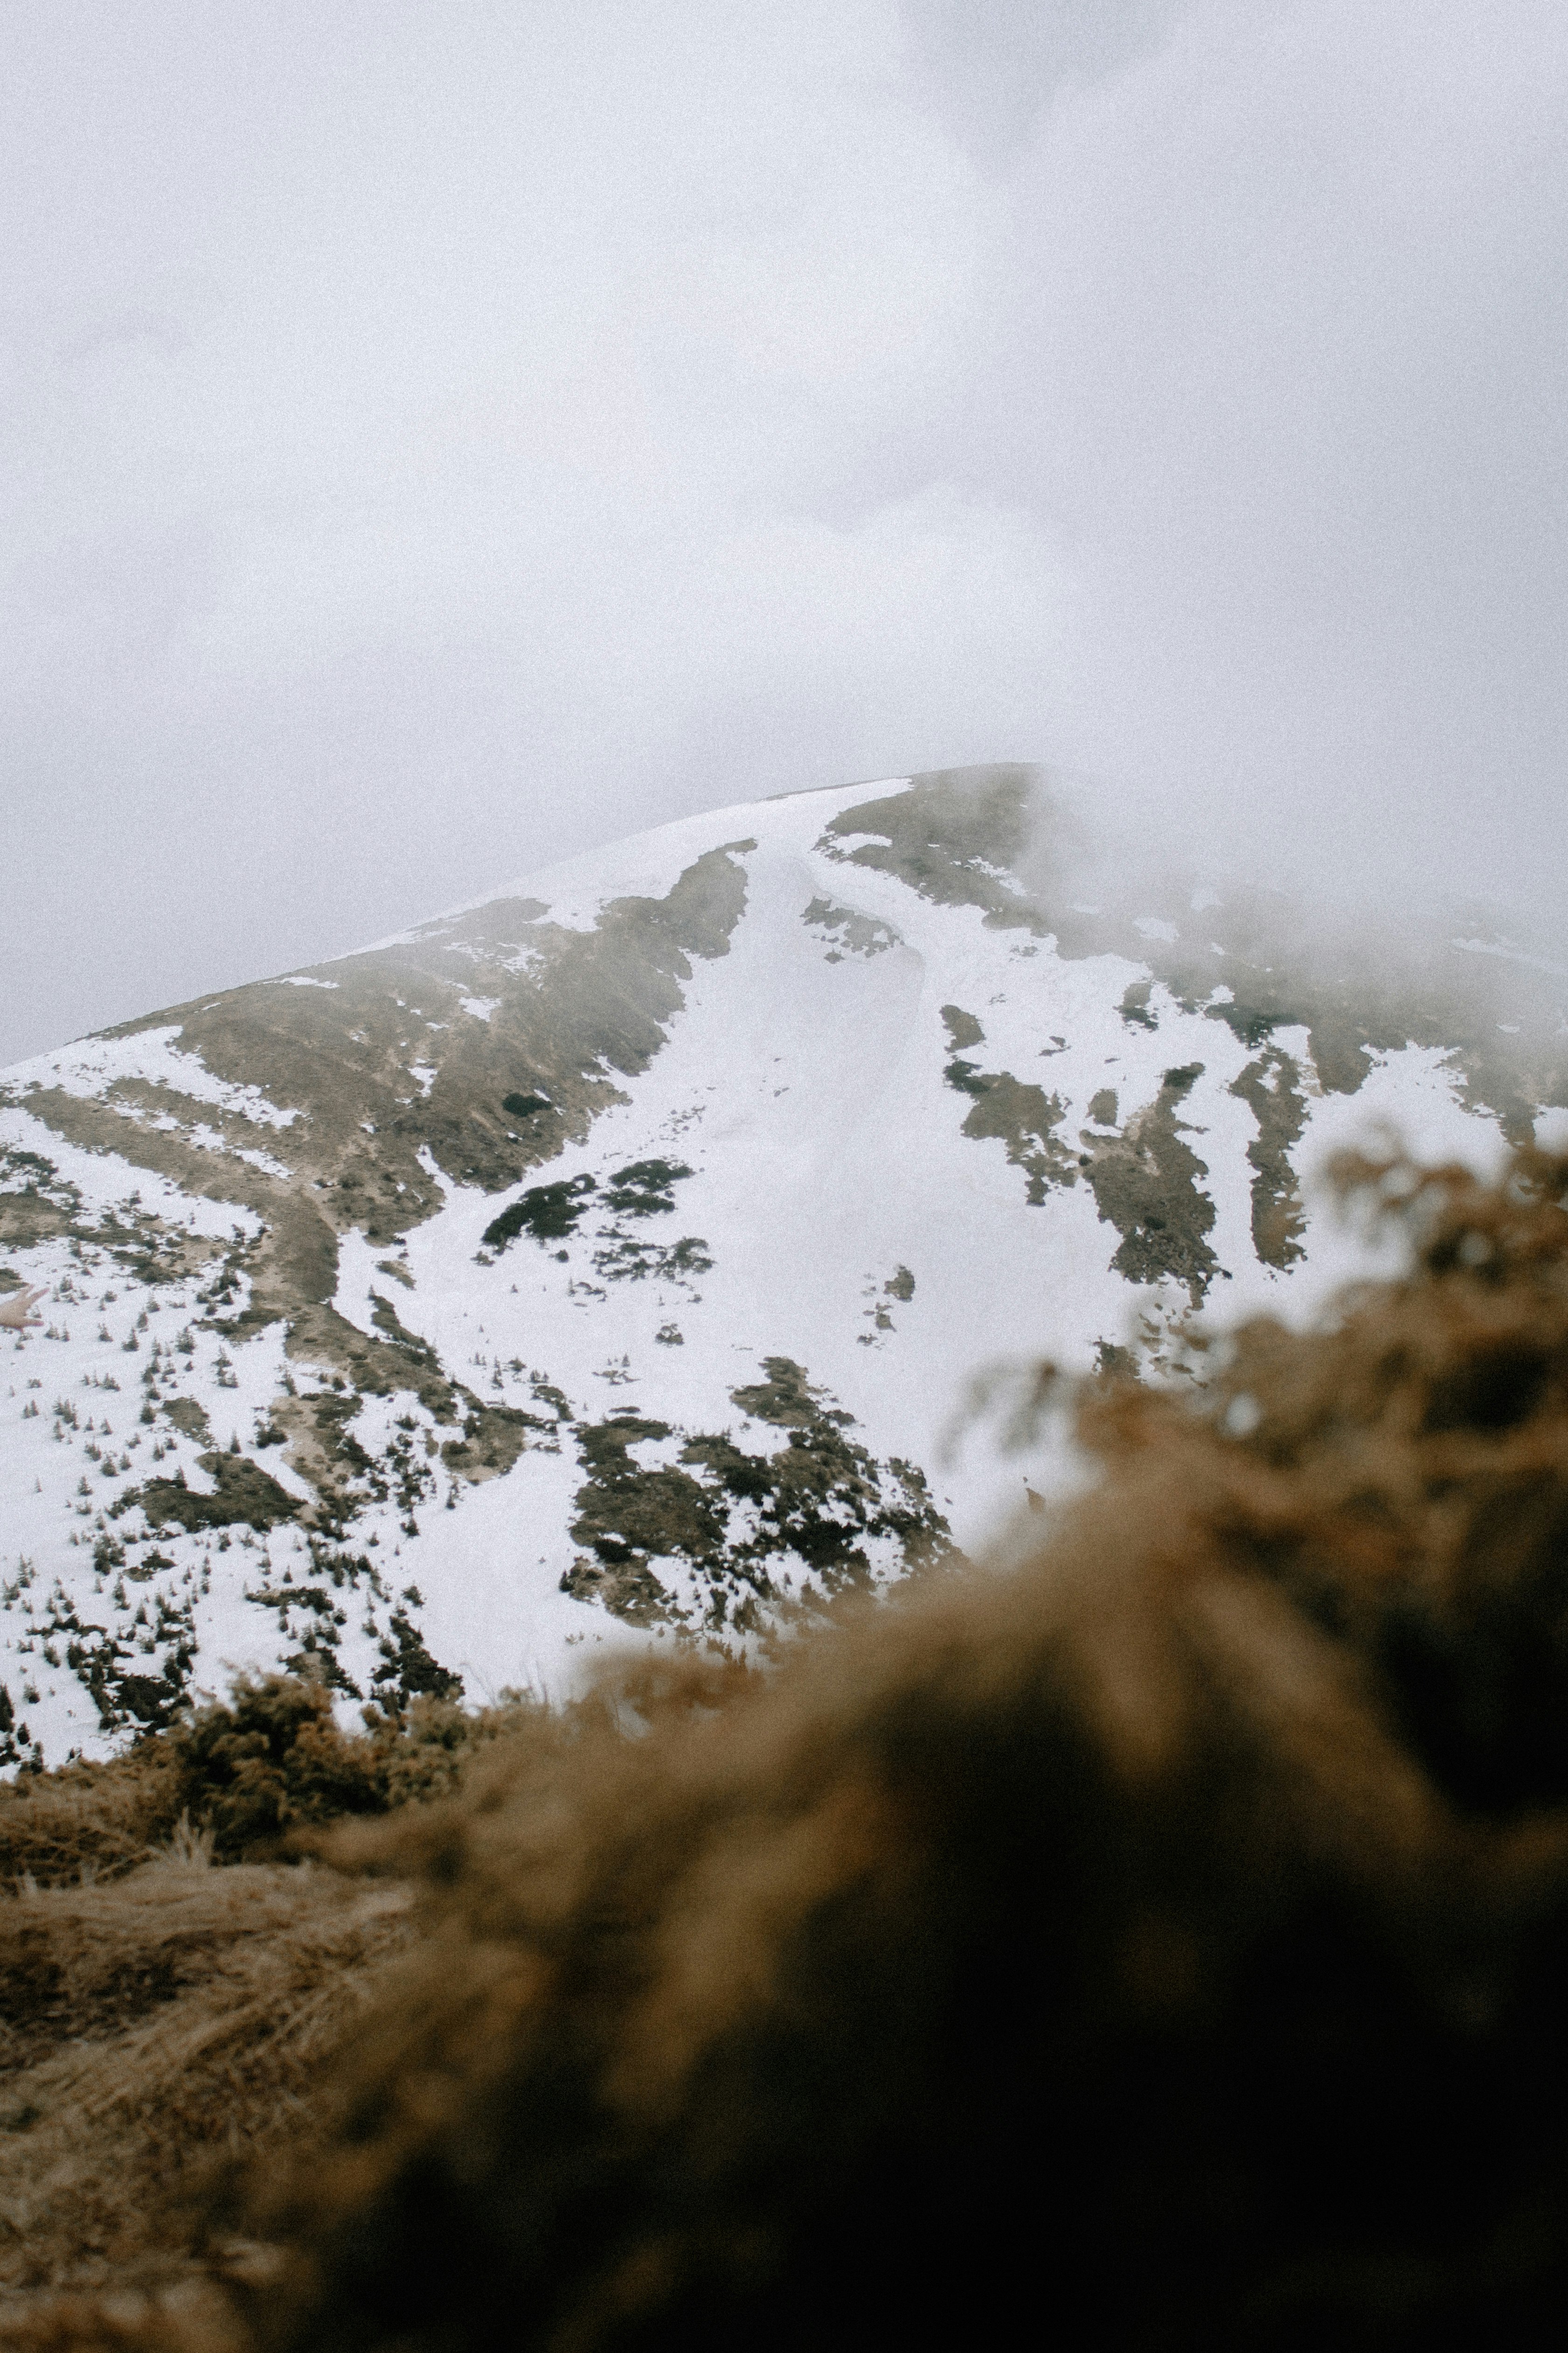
(616,1254)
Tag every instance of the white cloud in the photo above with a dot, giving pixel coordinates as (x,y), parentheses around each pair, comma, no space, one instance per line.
(441,438)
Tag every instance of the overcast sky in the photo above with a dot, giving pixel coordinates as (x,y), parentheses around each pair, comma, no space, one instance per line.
(439,436)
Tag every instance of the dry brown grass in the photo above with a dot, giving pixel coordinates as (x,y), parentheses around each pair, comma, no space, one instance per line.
(92,1820)
(155,2031)
(261,1773)
(165,2019)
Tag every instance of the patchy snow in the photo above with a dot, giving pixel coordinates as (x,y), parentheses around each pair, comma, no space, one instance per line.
(96,1065)
(808,1191)
(853,1164)
(576,891)
(106,1181)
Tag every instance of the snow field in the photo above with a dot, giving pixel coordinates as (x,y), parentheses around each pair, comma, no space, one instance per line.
(852,1228)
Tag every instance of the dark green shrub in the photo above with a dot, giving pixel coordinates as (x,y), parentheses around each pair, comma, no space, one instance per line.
(270,1762)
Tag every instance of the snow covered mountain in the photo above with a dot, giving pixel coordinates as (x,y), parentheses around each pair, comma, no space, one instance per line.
(619,1253)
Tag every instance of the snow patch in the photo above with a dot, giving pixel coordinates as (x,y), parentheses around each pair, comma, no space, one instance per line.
(92,1068)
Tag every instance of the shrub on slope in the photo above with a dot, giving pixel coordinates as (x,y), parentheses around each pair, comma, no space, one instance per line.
(256,1772)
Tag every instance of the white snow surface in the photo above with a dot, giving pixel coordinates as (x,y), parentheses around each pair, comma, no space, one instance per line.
(94,1067)
(805,1090)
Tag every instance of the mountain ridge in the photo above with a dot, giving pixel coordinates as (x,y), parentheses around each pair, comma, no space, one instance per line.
(782,1120)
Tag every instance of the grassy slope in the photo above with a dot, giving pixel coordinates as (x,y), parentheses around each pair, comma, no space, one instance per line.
(175,1969)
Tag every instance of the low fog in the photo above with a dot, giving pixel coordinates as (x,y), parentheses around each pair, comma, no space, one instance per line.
(438,438)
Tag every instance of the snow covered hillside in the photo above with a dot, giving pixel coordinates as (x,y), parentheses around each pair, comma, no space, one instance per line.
(620,1253)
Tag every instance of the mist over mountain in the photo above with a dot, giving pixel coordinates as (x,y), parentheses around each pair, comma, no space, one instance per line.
(614,1260)
(439,445)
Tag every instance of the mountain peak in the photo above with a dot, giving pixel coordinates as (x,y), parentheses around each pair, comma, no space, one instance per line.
(612,1259)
